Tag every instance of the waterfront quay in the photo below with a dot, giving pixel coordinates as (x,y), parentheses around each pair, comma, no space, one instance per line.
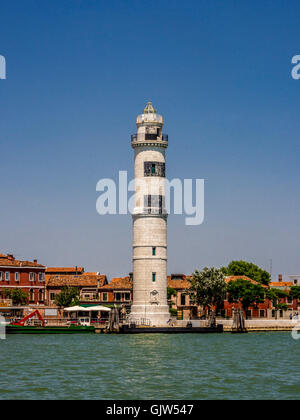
(44,300)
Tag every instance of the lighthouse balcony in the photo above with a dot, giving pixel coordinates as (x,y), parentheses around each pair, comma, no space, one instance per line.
(150,210)
(149,137)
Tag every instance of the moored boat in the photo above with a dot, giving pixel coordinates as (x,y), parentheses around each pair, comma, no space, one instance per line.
(28,329)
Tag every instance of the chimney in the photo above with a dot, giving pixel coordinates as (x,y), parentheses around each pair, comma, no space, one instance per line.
(177,276)
(280,277)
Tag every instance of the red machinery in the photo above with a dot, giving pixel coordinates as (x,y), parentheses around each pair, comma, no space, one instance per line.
(22,321)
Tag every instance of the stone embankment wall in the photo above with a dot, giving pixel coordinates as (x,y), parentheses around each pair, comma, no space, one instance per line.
(251,325)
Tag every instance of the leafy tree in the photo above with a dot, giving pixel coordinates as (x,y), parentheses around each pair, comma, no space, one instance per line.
(283,306)
(69,296)
(7,293)
(295,292)
(171,292)
(173,312)
(244,268)
(245,292)
(275,295)
(208,287)
(17,295)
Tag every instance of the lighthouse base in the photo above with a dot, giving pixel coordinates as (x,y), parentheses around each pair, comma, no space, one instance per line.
(150,315)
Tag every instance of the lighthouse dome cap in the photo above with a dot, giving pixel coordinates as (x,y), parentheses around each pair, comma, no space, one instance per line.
(149,115)
(149,109)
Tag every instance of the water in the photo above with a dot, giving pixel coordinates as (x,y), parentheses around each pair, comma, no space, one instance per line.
(150,366)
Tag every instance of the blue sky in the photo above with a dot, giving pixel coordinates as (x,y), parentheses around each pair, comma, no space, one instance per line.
(78,73)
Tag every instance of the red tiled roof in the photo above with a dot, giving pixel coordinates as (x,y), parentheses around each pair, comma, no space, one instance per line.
(92,273)
(281,283)
(235,278)
(119,283)
(79,270)
(7,260)
(75,281)
(183,283)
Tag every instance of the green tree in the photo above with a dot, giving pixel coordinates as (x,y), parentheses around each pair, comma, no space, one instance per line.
(173,312)
(171,292)
(283,306)
(274,295)
(18,296)
(7,293)
(244,268)
(295,292)
(208,287)
(245,292)
(69,296)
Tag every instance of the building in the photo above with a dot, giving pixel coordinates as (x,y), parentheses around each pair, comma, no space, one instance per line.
(64,271)
(293,305)
(26,275)
(87,283)
(149,221)
(186,309)
(117,292)
(181,300)
(260,310)
(295,280)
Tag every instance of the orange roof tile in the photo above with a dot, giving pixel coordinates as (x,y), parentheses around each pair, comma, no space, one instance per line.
(178,283)
(92,273)
(79,270)
(7,260)
(119,283)
(235,278)
(281,283)
(75,281)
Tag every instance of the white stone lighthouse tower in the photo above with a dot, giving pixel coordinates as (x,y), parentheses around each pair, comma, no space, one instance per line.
(149,221)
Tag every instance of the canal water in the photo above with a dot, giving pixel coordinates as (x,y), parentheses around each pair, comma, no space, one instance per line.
(150,366)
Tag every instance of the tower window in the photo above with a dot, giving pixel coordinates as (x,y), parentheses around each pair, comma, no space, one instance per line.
(154,202)
(153,277)
(153,250)
(118,297)
(41,295)
(31,295)
(154,169)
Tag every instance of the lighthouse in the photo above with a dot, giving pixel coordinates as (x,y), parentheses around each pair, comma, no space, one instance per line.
(149,219)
